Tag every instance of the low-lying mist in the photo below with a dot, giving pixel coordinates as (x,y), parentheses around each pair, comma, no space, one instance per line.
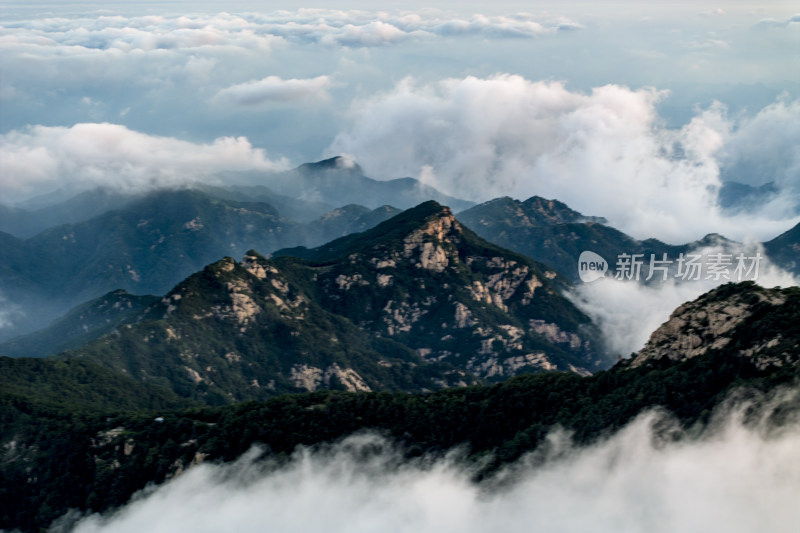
(740,473)
(628,312)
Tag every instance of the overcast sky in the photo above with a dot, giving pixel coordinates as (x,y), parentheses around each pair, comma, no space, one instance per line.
(630,110)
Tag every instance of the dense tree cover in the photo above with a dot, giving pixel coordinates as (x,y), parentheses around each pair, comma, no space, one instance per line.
(74,385)
(92,461)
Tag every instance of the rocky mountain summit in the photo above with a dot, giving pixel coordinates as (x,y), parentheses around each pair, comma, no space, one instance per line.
(428,281)
(551,232)
(743,320)
(418,302)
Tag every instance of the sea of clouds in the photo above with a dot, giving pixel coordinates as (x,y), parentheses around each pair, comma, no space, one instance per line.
(650,476)
(478,106)
(602,153)
(429,93)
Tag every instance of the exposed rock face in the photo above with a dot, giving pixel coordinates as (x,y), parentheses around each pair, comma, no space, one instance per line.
(725,320)
(310,377)
(249,330)
(426,243)
(554,334)
(417,303)
(463,316)
(242,308)
(257,268)
(436,287)
(494,367)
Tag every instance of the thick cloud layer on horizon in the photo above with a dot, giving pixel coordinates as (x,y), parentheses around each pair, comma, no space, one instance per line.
(604,153)
(481,117)
(327,26)
(110,155)
(731,478)
(275,89)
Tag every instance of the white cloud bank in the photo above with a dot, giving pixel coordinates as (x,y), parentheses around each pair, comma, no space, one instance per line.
(276,89)
(604,153)
(732,478)
(262,31)
(355,28)
(766,148)
(111,155)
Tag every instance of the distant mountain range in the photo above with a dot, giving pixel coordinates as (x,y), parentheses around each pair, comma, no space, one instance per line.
(58,253)
(25,222)
(153,241)
(552,233)
(419,294)
(148,246)
(80,325)
(300,195)
(339,181)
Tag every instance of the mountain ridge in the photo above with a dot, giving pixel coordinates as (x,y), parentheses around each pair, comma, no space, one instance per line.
(339,180)
(80,325)
(417,302)
(148,246)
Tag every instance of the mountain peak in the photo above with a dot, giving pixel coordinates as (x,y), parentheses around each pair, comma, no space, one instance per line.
(427,222)
(429,211)
(339,163)
(744,319)
(426,242)
(531,213)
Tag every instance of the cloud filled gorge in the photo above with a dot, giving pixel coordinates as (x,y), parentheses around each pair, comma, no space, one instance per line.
(650,476)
